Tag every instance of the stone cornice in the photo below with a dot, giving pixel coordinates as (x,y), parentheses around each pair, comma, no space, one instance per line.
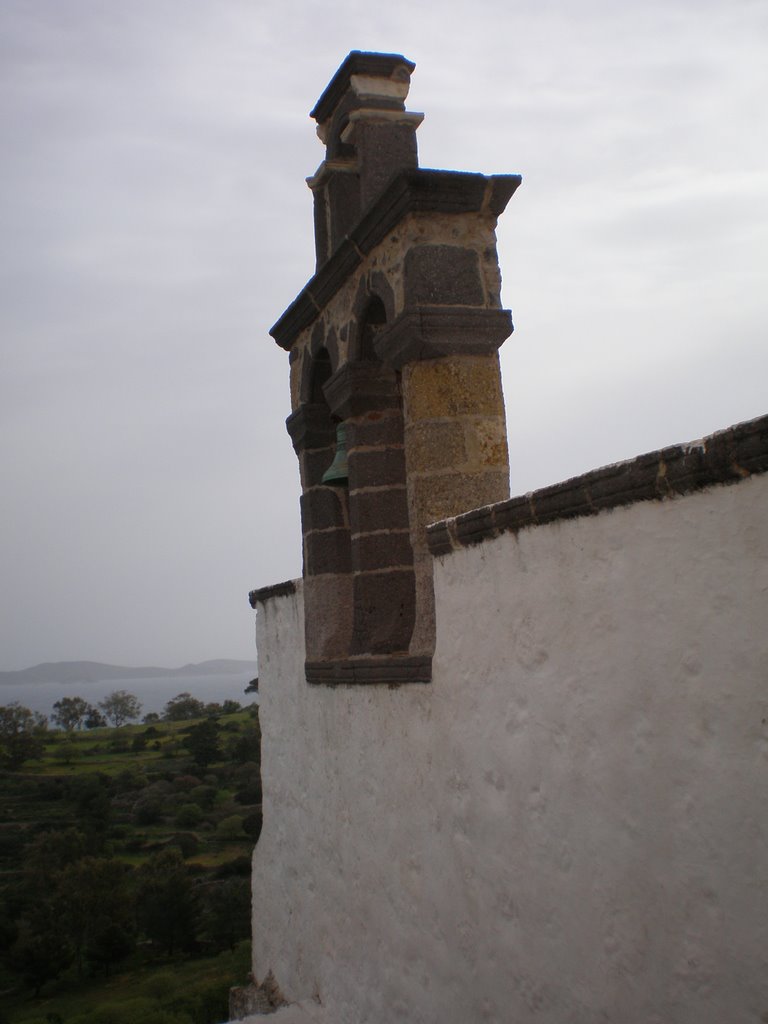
(356,388)
(727,457)
(413,191)
(391,670)
(431,332)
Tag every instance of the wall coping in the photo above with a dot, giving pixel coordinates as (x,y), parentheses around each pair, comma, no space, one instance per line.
(413,191)
(727,457)
(263,594)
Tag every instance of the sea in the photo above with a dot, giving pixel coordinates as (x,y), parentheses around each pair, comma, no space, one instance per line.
(153,692)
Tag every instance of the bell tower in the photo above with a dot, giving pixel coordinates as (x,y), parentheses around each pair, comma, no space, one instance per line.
(395,339)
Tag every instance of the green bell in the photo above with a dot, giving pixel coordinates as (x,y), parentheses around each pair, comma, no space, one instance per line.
(337,474)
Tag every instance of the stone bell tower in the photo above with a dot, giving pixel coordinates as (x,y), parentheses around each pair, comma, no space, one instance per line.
(396,338)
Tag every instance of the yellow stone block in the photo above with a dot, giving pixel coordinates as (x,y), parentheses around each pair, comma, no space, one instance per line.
(450,387)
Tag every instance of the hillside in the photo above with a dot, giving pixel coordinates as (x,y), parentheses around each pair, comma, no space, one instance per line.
(125,871)
(95,671)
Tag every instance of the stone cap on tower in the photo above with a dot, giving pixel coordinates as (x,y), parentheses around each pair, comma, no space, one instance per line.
(375,79)
(369,137)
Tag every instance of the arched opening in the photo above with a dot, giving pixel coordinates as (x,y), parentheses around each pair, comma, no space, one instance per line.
(375,317)
(319,373)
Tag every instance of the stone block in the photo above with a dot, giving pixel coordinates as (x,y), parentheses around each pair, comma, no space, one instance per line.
(359,388)
(384,550)
(435,332)
(471,527)
(486,441)
(313,464)
(380,509)
(384,605)
(444,495)
(451,387)
(323,508)
(624,483)
(380,428)
(391,671)
(682,470)
(444,275)
(435,444)
(342,192)
(327,616)
(310,426)
(439,538)
(749,443)
(513,514)
(384,148)
(327,551)
(562,501)
(376,468)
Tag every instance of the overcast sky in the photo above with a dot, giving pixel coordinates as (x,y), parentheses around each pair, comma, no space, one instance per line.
(155,223)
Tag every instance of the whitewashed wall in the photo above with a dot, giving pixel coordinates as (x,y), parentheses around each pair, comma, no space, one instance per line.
(569,824)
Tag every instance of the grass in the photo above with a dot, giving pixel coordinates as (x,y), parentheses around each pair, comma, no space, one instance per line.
(168,984)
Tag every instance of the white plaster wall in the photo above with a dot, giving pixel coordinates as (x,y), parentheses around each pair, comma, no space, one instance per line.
(569,824)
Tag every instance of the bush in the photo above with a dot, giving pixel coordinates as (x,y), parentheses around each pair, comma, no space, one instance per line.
(203,796)
(185,782)
(149,811)
(250,795)
(231,827)
(252,825)
(188,816)
(187,842)
(160,985)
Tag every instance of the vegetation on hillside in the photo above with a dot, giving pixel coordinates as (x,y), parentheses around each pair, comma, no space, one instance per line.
(125,860)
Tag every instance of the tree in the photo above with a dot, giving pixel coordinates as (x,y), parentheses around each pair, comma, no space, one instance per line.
(70,712)
(165,901)
(48,854)
(226,912)
(108,943)
(39,953)
(203,743)
(182,707)
(246,746)
(94,718)
(253,686)
(231,707)
(95,910)
(120,707)
(22,735)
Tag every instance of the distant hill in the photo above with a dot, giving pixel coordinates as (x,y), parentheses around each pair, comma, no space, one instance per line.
(95,671)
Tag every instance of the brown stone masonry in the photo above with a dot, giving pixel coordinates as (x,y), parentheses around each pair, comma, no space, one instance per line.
(396,337)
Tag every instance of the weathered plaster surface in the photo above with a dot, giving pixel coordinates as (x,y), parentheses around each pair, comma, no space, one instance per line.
(568,824)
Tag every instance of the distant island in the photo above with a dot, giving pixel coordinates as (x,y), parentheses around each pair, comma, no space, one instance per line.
(95,671)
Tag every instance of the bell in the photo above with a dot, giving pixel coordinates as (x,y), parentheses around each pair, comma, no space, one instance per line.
(337,474)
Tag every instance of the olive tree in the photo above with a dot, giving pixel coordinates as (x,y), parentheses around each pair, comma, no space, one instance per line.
(120,707)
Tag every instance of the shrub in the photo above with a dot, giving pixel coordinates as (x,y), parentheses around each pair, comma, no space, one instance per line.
(252,825)
(188,816)
(149,811)
(203,796)
(187,842)
(184,782)
(231,827)
(250,795)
